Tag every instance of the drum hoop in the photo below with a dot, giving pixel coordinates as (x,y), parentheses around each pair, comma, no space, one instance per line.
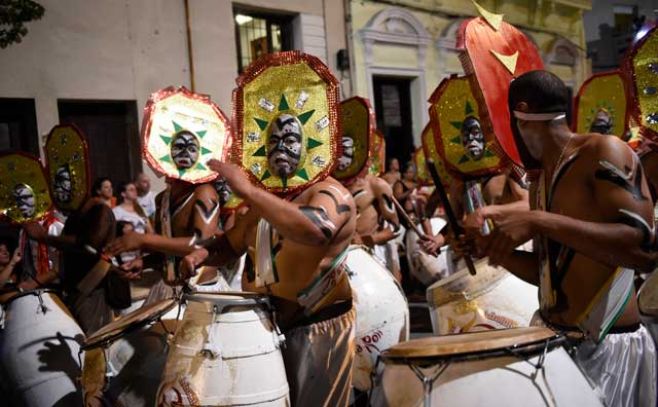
(526,350)
(225,302)
(109,338)
(36,292)
(446,297)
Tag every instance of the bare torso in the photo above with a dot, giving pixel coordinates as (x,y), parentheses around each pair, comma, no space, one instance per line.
(574,196)
(298,264)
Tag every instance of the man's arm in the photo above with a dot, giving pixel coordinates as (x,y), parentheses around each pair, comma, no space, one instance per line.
(621,194)
(384,202)
(315,223)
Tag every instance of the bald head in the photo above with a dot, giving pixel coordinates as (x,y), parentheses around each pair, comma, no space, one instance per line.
(143,184)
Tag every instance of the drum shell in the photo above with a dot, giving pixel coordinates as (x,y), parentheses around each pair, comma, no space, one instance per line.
(137,360)
(425,268)
(492,299)
(23,343)
(500,381)
(248,368)
(382,313)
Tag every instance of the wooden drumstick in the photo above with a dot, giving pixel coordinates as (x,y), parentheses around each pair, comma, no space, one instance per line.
(406,217)
(450,214)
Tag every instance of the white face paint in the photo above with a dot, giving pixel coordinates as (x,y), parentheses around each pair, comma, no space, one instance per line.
(284,145)
(25,200)
(472,138)
(347,157)
(185,149)
(62,184)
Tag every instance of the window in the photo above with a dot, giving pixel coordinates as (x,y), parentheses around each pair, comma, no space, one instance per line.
(624,17)
(18,126)
(260,33)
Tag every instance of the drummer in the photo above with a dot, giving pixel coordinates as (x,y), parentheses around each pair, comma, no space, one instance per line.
(593,218)
(297,244)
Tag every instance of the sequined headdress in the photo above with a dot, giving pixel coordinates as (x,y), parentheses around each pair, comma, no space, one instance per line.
(431,152)
(603,95)
(67,168)
(24,194)
(357,123)
(454,113)
(494,53)
(378,156)
(641,66)
(181,131)
(280,88)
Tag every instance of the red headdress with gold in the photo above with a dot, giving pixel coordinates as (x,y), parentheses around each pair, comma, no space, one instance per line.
(358,124)
(455,109)
(300,88)
(495,53)
(24,193)
(173,114)
(67,158)
(602,94)
(641,66)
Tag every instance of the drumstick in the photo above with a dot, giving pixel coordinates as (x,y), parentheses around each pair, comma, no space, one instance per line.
(406,217)
(450,214)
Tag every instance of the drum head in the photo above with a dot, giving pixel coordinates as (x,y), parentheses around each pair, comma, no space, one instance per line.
(136,319)
(448,346)
(648,296)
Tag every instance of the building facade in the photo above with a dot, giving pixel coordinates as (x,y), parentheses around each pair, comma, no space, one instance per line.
(96,63)
(402,49)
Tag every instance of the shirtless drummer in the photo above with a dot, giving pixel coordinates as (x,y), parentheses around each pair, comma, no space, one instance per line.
(377,220)
(298,243)
(189,206)
(593,219)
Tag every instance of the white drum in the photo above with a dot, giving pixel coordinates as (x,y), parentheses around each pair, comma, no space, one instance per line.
(226,352)
(382,313)
(523,367)
(124,360)
(425,268)
(648,304)
(492,299)
(39,348)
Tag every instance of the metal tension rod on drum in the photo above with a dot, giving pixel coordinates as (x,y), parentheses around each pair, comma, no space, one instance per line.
(428,381)
(450,214)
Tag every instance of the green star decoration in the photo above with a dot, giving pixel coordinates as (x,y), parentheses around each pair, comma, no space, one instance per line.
(283,103)
(168,139)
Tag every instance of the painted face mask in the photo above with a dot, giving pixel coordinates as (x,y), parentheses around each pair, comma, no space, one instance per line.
(602,123)
(185,149)
(62,185)
(25,200)
(223,190)
(284,146)
(473,138)
(347,156)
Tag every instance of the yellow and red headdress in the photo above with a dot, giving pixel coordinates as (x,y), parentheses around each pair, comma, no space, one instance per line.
(495,53)
(454,108)
(358,125)
(300,87)
(174,114)
(602,94)
(641,66)
(68,167)
(378,156)
(432,153)
(24,193)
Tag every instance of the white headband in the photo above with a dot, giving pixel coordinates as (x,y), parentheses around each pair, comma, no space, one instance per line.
(539,117)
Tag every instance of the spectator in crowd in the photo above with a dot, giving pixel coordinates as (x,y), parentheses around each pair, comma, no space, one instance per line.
(393,174)
(145,197)
(102,189)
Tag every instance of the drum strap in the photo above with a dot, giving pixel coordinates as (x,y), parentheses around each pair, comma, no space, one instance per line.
(165,223)
(317,293)
(266,273)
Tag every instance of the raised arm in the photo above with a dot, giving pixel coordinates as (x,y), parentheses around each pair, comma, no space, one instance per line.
(316,223)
